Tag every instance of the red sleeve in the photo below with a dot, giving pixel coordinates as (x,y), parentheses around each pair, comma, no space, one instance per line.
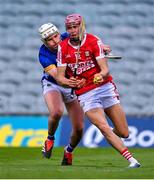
(97,48)
(61,60)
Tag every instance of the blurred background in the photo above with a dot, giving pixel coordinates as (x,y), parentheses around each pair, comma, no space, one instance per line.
(126,25)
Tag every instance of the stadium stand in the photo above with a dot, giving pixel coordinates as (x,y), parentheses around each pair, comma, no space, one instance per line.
(127,25)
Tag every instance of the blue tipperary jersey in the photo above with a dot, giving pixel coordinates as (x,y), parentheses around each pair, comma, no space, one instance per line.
(48,58)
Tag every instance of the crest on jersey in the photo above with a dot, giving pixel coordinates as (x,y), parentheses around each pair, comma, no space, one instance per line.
(87,53)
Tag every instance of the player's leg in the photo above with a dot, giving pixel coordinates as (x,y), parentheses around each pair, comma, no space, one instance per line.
(118,118)
(76,116)
(113,109)
(97,117)
(55,106)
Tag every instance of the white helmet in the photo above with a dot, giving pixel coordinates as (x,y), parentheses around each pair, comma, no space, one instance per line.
(47,30)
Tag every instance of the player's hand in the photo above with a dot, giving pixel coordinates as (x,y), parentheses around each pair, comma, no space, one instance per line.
(106,49)
(81,83)
(72,82)
(98,78)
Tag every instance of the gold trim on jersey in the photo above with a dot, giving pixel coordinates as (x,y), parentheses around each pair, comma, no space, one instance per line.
(48,68)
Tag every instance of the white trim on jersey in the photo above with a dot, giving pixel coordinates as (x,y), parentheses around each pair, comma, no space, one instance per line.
(59,58)
(100,45)
(100,57)
(61,65)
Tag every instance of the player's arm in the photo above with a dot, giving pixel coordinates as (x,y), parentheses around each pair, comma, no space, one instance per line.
(62,80)
(47,64)
(99,77)
(61,70)
(51,70)
(98,49)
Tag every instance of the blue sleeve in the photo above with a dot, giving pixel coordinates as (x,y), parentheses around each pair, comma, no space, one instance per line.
(44,57)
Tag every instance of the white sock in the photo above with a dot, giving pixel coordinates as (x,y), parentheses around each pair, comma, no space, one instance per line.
(132,160)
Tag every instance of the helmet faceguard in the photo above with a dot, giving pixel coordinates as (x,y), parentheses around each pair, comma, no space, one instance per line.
(47,30)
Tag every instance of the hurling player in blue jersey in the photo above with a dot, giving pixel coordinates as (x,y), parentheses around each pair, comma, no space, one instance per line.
(56,96)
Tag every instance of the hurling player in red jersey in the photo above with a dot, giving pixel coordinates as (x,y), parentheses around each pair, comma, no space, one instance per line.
(96,97)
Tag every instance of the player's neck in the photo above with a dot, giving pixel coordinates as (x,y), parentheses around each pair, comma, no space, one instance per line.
(74,41)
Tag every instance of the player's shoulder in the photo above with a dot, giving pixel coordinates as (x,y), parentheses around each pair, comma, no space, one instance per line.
(64,42)
(92,37)
(43,49)
(64,36)
(45,52)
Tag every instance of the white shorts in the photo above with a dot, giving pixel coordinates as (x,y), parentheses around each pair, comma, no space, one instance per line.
(101,97)
(48,86)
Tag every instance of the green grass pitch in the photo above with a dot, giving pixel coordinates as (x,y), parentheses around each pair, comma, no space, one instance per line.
(97,163)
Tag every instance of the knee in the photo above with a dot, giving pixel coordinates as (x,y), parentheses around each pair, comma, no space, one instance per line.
(124,134)
(56,114)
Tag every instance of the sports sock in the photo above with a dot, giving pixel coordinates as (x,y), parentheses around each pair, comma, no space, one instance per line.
(51,137)
(127,155)
(69,148)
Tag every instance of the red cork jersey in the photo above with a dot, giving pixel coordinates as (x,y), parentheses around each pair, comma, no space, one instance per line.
(90,52)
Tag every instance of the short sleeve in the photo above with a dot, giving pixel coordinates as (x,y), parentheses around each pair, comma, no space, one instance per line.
(46,59)
(61,57)
(97,46)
